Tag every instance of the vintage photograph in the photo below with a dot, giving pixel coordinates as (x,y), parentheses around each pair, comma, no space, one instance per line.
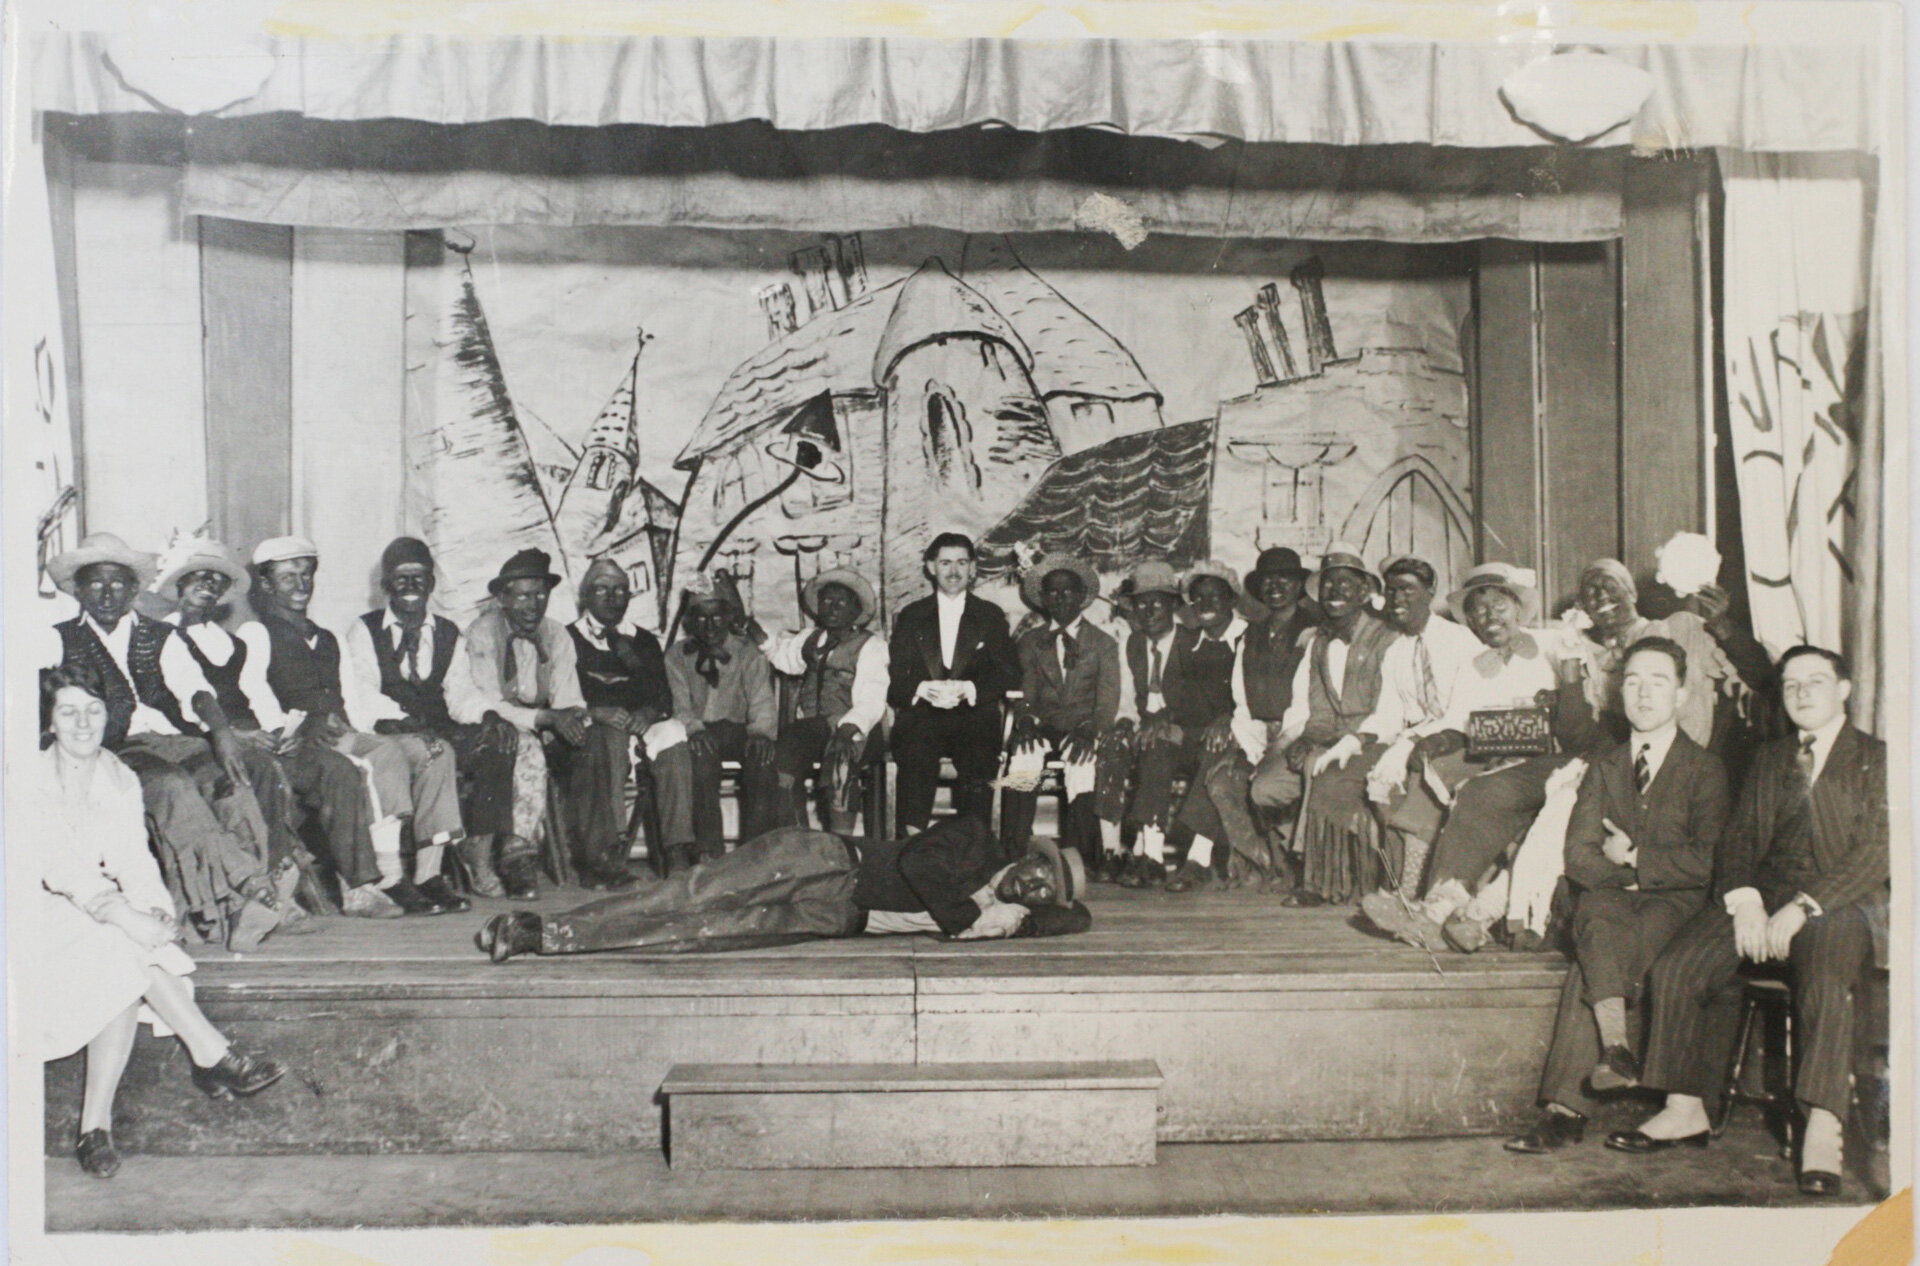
(1037,620)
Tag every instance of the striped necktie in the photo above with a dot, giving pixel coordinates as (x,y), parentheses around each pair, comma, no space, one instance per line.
(1642,772)
(1803,761)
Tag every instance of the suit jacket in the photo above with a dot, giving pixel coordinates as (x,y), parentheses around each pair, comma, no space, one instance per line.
(1831,845)
(1090,693)
(939,870)
(1675,828)
(983,653)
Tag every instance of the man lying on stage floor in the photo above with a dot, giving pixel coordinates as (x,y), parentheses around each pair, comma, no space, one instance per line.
(795,884)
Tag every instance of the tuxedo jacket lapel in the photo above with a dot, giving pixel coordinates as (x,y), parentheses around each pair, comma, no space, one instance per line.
(928,636)
(968,638)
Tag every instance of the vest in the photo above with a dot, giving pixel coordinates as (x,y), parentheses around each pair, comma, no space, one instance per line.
(1327,720)
(632,681)
(423,700)
(225,680)
(827,691)
(80,645)
(1269,656)
(304,678)
(1140,669)
(1198,683)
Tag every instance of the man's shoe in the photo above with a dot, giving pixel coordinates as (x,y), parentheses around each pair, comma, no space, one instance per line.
(250,926)
(1466,935)
(1813,1182)
(369,902)
(615,877)
(1387,912)
(1191,875)
(238,1074)
(508,934)
(441,893)
(1553,1131)
(1134,873)
(1638,1144)
(520,876)
(97,1155)
(1617,1070)
(409,898)
(474,857)
(1109,869)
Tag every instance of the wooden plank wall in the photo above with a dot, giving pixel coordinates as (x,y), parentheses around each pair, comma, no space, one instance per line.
(246,278)
(1590,421)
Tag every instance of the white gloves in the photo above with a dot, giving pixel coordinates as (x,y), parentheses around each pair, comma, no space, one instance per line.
(997,922)
(1339,754)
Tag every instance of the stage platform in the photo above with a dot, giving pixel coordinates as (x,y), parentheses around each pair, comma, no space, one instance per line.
(1267,1023)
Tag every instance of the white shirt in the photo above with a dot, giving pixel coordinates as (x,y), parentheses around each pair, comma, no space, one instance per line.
(1654,746)
(218,645)
(871,674)
(1156,700)
(1486,681)
(1399,709)
(1059,648)
(1300,706)
(177,669)
(949,610)
(367,704)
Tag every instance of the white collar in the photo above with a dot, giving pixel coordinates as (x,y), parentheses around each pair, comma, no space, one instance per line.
(1054,629)
(1656,744)
(1824,736)
(956,600)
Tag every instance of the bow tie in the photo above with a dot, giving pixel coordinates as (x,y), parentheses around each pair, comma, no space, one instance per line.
(707,661)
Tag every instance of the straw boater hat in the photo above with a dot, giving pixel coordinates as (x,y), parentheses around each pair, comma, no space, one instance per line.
(528,564)
(1209,567)
(1343,557)
(100,547)
(1070,872)
(186,555)
(1038,573)
(847,578)
(1152,576)
(1516,582)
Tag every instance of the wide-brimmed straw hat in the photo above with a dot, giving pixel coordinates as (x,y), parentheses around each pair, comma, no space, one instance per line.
(1038,573)
(184,557)
(1516,582)
(100,547)
(853,581)
(1152,576)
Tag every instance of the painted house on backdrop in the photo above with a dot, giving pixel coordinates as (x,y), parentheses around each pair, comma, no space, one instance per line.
(915,408)
(1371,448)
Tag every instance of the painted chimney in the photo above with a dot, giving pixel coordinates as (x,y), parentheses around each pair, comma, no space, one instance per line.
(812,265)
(1313,315)
(1270,308)
(776,301)
(850,261)
(1249,322)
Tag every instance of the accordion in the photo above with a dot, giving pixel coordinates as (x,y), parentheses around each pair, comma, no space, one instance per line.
(1500,732)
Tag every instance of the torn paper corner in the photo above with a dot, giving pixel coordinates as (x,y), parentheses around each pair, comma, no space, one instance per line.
(1103,213)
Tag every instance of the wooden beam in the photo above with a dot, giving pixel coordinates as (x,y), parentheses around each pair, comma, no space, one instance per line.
(1506,507)
(1579,366)
(59,149)
(246,288)
(1664,424)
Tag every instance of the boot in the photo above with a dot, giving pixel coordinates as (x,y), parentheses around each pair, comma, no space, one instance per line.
(519,868)
(473,858)
(508,934)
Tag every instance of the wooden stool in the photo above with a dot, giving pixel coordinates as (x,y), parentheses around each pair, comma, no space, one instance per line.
(1761,995)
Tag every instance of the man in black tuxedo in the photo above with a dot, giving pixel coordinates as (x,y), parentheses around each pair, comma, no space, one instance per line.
(1802,878)
(793,884)
(952,662)
(1640,847)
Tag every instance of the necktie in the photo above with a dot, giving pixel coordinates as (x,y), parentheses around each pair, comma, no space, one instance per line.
(1803,760)
(410,651)
(1429,690)
(707,661)
(1642,772)
(526,656)
(1153,668)
(1069,652)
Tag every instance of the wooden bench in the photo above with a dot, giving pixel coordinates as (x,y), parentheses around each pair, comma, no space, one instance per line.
(885,1116)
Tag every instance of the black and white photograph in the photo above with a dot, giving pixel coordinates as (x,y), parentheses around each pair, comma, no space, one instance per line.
(769,632)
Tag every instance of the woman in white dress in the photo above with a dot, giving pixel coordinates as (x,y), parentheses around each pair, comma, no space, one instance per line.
(104,918)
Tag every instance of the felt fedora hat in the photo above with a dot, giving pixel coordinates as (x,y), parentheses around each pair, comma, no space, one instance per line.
(1278,561)
(1343,557)
(1516,582)
(528,564)
(849,579)
(1070,872)
(1038,573)
(100,547)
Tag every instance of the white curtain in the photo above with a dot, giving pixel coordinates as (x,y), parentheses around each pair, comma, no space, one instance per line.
(1798,229)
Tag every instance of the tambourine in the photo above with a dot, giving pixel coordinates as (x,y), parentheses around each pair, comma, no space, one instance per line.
(1497,732)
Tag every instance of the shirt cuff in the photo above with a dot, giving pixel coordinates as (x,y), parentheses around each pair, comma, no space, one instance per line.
(1742,896)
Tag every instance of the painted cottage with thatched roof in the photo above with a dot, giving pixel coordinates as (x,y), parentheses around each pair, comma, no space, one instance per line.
(921,407)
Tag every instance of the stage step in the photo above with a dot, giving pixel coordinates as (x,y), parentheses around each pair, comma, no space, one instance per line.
(895,1116)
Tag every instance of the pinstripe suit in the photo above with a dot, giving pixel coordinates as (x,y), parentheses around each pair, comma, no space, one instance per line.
(1830,844)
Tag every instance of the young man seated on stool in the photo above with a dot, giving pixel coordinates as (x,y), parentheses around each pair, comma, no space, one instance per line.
(623,678)
(1070,688)
(723,698)
(841,688)
(1802,879)
(1146,601)
(1640,848)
